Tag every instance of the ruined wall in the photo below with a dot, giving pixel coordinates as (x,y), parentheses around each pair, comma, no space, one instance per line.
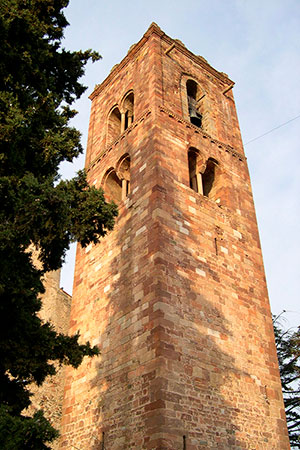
(175,296)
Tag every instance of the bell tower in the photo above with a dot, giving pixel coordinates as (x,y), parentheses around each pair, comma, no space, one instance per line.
(175,296)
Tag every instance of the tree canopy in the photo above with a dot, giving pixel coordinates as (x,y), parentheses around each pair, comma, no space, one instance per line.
(288,351)
(39,81)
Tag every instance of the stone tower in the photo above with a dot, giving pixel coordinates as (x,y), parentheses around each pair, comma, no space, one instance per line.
(175,296)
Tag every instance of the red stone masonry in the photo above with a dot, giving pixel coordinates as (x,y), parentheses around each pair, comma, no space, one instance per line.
(56,306)
(175,296)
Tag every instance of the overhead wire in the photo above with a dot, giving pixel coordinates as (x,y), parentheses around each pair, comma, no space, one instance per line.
(273,129)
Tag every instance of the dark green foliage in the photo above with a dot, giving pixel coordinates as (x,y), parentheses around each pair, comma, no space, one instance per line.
(38,83)
(288,351)
(24,433)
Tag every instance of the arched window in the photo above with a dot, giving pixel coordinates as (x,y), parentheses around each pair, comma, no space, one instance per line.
(113,186)
(208,177)
(194,102)
(124,175)
(192,158)
(195,180)
(203,177)
(128,108)
(114,125)
(120,119)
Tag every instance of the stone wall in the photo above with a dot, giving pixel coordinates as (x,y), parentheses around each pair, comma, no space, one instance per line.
(56,309)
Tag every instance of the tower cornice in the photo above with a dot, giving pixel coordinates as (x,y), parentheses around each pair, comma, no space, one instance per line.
(174,43)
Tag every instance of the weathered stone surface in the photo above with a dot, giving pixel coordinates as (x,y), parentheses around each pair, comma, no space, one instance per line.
(56,309)
(175,296)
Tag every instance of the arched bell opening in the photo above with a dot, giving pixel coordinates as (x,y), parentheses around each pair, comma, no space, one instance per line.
(128,111)
(204,178)
(210,179)
(194,102)
(124,175)
(114,125)
(192,161)
(113,186)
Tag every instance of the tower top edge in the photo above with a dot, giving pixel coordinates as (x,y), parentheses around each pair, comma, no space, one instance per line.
(175,43)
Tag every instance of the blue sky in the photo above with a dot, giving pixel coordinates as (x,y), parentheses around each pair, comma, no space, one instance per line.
(257,43)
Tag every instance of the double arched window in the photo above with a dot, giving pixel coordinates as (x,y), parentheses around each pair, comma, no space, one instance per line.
(120,117)
(203,175)
(116,181)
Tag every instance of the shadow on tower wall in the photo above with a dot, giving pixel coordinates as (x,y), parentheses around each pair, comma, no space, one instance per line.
(168,377)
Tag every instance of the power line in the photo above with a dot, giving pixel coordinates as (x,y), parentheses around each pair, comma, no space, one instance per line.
(273,129)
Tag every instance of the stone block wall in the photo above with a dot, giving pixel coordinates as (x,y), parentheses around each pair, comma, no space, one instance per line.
(56,306)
